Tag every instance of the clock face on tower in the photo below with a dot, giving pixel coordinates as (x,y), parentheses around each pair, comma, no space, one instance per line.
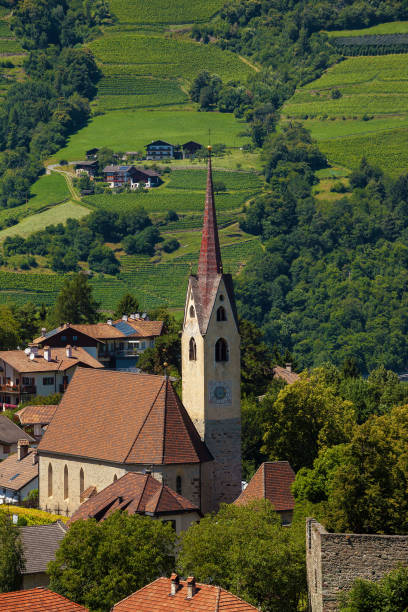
(219,392)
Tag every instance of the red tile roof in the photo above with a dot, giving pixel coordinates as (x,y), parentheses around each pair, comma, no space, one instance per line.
(273,481)
(15,474)
(135,493)
(123,417)
(285,374)
(155,597)
(59,360)
(33,415)
(144,329)
(39,599)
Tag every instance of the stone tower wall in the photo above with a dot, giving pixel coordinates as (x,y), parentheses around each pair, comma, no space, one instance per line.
(335,560)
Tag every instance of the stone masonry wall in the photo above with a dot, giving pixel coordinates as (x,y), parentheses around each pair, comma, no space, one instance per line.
(335,560)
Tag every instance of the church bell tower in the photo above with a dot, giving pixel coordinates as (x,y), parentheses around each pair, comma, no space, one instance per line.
(210,347)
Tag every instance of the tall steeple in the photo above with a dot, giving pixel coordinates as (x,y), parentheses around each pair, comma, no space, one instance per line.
(209,262)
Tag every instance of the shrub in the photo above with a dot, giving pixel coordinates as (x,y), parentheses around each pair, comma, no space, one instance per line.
(171,245)
(33,516)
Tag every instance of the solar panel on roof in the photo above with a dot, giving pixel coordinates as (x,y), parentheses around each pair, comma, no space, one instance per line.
(52,332)
(125,328)
(13,477)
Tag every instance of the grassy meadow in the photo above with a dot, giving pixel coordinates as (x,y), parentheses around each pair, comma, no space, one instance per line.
(393,27)
(159,12)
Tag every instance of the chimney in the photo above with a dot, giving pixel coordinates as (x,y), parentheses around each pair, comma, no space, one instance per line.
(288,367)
(35,456)
(175,584)
(43,331)
(133,316)
(68,350)
(22,449)
(32,356)
(34,349)
(191,587)
(47,353)
(109,321)
(124,318)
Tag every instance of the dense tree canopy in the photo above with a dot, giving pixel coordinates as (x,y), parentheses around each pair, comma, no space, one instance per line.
(75,303)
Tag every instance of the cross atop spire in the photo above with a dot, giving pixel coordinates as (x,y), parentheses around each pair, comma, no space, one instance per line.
(209,262)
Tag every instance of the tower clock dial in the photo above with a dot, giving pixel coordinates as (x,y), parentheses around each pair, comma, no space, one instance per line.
(219,392)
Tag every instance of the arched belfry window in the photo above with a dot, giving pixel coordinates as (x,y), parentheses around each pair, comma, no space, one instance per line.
(65,482)
(81,481)
(192,350)
(192,311)
(49,480)
(221,314)
(178,485)
(221,350)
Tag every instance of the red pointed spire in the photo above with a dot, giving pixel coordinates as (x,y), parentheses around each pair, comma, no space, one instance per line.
(209,262)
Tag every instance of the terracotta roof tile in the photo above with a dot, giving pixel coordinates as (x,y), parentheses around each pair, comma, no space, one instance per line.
(273,480)
(59,360)
(10,433)
(286,375)
(100,331)
(121,417)
(135,493)
(40,543)
(25,469)
(39,599)
(33,415)
(155,597)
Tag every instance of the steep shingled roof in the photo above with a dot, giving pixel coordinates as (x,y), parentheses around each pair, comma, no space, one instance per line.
(10,433)
(39,599)
(135,493)
(273,481)
(15,474)
(155,597)
(59,360)
(123,417)
(40,543)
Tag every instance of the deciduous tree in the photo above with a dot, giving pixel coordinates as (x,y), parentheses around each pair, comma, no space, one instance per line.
(11,555)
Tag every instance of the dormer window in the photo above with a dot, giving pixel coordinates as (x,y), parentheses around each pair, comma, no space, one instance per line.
(192,311)
(192,350)
(221,314)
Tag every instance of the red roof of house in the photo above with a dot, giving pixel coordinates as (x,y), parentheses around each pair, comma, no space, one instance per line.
(155,597)
(273,481)
(58,362)
(134,493)
(285,374)
(39,599)
(125,418)
(32,415)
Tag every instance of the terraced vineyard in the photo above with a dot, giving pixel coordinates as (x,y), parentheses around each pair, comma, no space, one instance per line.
(123,91)
(8,43)
(158,12)
(358,107)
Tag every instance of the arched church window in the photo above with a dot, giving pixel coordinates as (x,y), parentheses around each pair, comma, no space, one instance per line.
(192,311)
(81,481)
(192,350)
(178,485)
(221,350)
(66,482)
(49,480)
(115,478)
(221,314)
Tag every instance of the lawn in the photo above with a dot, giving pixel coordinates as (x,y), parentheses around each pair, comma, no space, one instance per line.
(393,27)
(39,221)
(137,54)
(131,131)
(170,12)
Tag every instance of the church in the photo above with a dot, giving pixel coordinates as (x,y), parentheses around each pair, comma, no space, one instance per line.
(110,423)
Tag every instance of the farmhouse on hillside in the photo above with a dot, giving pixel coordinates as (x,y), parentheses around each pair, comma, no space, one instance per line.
(92,153)
(159,149)
(87,167)
(130,176)
(190,148)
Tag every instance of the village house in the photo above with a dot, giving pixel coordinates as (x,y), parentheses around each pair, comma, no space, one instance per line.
(87,167)
(18,474)
(137,493)
(175,595)
(10,434)
(92,153)
(40,543)
(190,148)
(159,149)
(37,600)
(130,176)
(36,418)
(273,481)
(110,423)
(40,371)
(116,344)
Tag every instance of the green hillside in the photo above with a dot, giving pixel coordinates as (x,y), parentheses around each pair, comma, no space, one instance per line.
(358,107)
(157,12)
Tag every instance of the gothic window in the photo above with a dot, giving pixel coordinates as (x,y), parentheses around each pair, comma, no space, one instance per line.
(115,478)
(192,350)
(221,350)
(81,481)
(192,311)
(49,480)
(65,482)
(178,485)
(221,314)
